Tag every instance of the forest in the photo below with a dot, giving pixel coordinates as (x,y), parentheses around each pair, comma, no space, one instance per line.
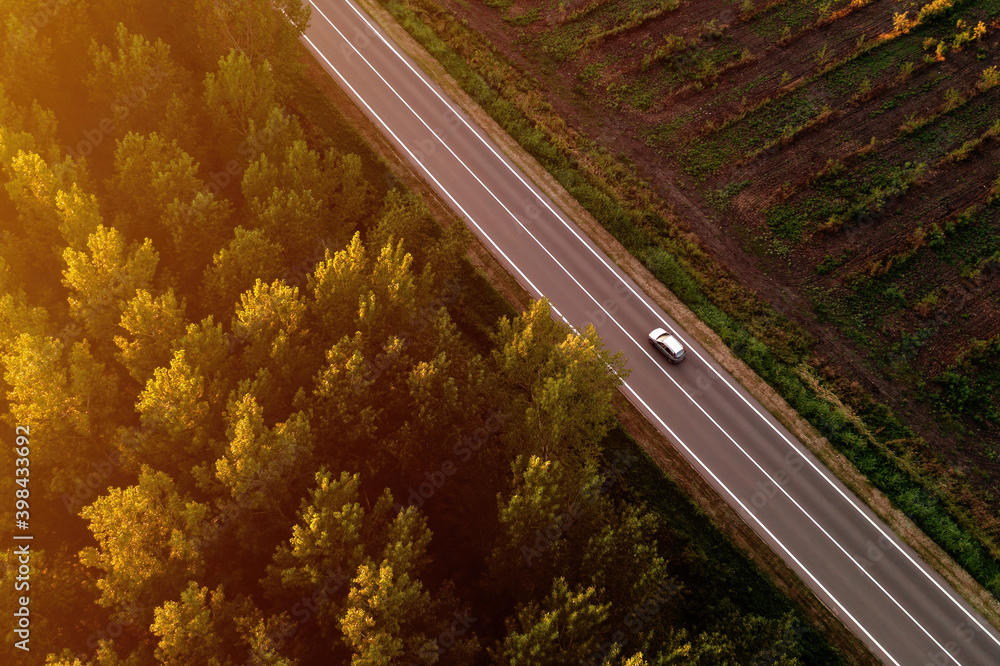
(274,414)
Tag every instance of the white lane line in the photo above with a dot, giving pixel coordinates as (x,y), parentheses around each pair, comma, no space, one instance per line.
(762,526)
(632,391)
(641,347)
(891,537)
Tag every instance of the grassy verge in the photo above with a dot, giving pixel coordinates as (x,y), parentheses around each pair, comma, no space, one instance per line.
(869,435)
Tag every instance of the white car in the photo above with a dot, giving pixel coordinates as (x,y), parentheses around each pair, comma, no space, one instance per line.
(670,346)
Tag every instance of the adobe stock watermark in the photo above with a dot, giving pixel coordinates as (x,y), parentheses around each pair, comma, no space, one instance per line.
(464,449)
(121,107)
(418,322)
(122,619)
(86,488)
(634,621)
(948,653)
(780,648)
(770,487)
(559,526)
(432,651)
(45,11)
(304,610)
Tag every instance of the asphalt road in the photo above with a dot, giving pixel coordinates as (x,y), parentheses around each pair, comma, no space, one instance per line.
(904,611)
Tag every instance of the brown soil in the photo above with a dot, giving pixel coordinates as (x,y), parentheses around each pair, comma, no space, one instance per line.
(849,128)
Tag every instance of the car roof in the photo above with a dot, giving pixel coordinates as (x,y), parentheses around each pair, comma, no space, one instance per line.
(672,343)
(668,340)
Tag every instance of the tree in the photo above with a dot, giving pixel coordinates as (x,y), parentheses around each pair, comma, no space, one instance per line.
(561,630)
(405,216)
(398,383)
(562,383)
(103,279)
(239,97)
(176,419)
(16,315)
(32,189)
(196,226)
(207,349)
(380,603)
(157,193)
(105,656)
(300,198)
(337,286)
(249,257)
(541,512)
(389,616)
(66,398)
(256,29)
(271,326)
(27,56)
(151,325)
(135,83)
(28,128)
(144,540)
(79,214)
(261,468)
(185,629)
(361,568)
(51,209)
(326,547)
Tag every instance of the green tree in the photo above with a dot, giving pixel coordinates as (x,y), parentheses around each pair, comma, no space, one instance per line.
(561,384)
(239,97)
(28,54)
(105,656)
(405,216)
(300,198)
(185,629)
(261,468)
(17,316)
(380,603)
(399,384)
(176,418)
(542,511)
(79,215)
(256,29)
(272,328)
(326,546)
(564,629)
(151,326)
(337,286)
(33,187)
(103,279)
(135,83)
(65,399)
(28,128)
(206,347)
(157,193)
(249,257)
(145,549)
